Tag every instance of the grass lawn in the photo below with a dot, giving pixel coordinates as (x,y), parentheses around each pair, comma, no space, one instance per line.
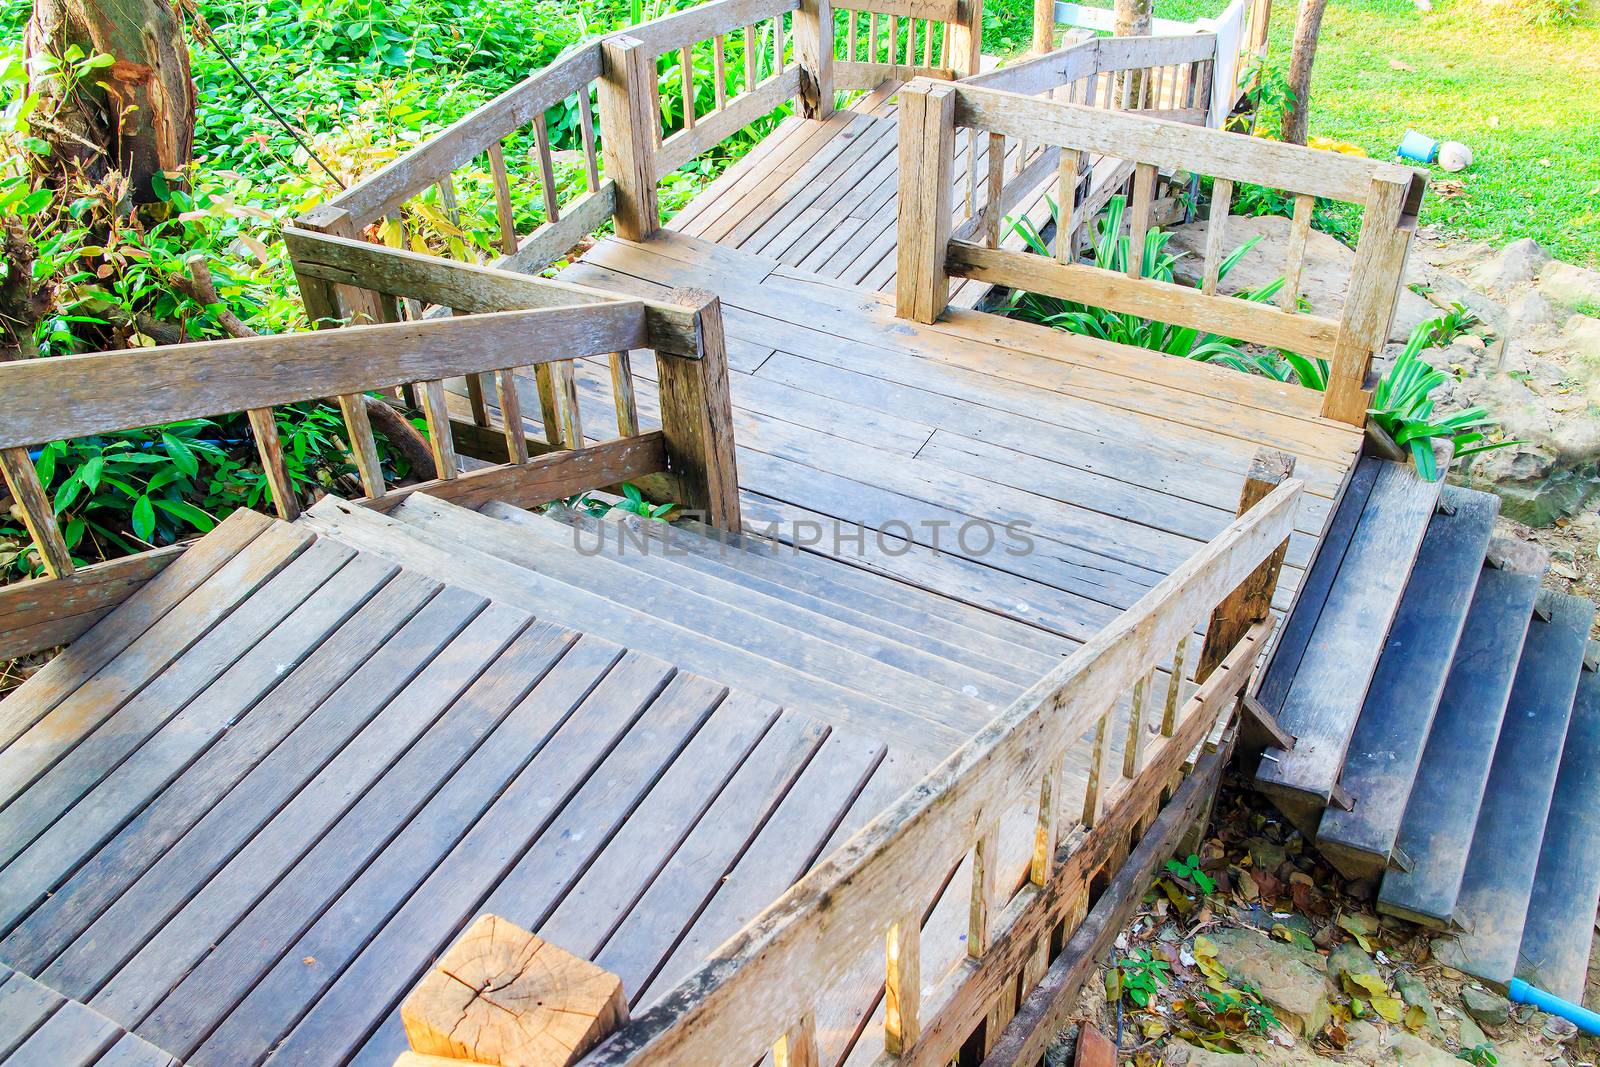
(1525,99)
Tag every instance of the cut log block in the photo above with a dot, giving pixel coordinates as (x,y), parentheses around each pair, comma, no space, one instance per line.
(503,997)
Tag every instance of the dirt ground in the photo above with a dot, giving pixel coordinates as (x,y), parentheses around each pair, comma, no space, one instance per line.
(1574,546)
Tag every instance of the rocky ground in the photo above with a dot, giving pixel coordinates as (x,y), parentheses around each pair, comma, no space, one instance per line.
(1255,953)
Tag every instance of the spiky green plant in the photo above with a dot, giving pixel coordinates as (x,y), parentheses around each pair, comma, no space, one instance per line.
(1111,252)
(1402,406)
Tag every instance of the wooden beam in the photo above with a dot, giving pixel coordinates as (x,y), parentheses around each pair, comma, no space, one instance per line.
(42,613)
(1175,145)
(75,396)
(1251,601)
(1146,297)
(38,515)
(503,997)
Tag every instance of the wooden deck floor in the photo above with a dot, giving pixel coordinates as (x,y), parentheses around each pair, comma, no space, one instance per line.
(1122,462)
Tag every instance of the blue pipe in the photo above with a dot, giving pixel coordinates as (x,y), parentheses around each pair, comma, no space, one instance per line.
(1586,1020)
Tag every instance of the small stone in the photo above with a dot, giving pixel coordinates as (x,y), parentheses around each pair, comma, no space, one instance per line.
(1533,313)
(1472,342)
(1291,980)
(1470,1035)
(1490,1009)
(1570,285)
(1518,263)
(1349,959)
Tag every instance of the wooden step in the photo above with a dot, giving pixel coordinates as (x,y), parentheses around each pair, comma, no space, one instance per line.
(1387,744)
(1556,937)
(1323,701)
(38,1025)
(843,581)
(688,555)
(1493,905)
(784,639)
(468,563)
(1436,830)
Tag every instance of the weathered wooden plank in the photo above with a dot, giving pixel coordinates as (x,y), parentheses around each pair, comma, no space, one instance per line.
(628,129)
(171,740)
(138,882)
(1146,297)
(37,513)
(168,948)
(704,21)
(1175,145)
(557,237)
(382,635)
(73,1036)
(75,396)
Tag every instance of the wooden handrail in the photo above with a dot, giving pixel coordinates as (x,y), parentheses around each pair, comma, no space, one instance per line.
(929,255)
(757,986)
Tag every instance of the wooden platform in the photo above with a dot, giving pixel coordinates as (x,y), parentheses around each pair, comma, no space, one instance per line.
(1122,462)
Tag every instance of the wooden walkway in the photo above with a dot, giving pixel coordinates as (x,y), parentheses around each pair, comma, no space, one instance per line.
(241,815)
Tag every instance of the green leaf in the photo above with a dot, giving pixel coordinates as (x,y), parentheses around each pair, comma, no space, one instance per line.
(144,519)
(187,512)
(159,186)
(182,457)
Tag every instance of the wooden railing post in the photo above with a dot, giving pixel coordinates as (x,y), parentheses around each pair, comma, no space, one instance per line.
(1375,279)
(927,163)
(966,37)
(324,302)
(697,416)
(813,47)
(1247,605)
(627,130)
(22,478)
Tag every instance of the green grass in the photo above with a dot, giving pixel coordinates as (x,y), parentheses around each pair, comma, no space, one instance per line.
(1524,98)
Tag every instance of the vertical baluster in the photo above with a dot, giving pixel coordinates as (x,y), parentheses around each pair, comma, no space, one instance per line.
(972,171)
(505,387)
(1221,198)
(686,83)
(547,170)
(622,394)
(1099,764)
(1067,198)
(749,59)
(927,42)
(902,987)
(894,40)
(549,406)
(872,37)
(1169,714)
(1133,749)
(778,44)
(1294,260)
(264,426)
(996,182)
(591,161)
(719,70)
(798,1047)
(477,398)
(1047,830)
(944,46)
(850,35)
(452,211)
(363,448)
(911,42)
(985,884)
(571,421)
(37,513)
(437,413)
(1144,187)
(502,199)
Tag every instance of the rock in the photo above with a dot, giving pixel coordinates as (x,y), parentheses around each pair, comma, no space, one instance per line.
(1582,339)
(1412,1051)
(1349,959)
(1570,285)
(1415,993)
(1518,263)
(1324,278)
(1534,313)
(1289,979)
(1472,342)
(1490,1009)
(1469,1035)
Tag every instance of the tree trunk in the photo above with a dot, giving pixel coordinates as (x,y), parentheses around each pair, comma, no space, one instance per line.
(1131,19)
(1306,29)
(135,116)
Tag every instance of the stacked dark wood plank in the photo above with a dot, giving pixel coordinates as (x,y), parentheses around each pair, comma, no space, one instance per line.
(1466,791)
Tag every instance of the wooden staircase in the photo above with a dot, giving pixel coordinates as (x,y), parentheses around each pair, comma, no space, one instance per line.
(1456,772)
